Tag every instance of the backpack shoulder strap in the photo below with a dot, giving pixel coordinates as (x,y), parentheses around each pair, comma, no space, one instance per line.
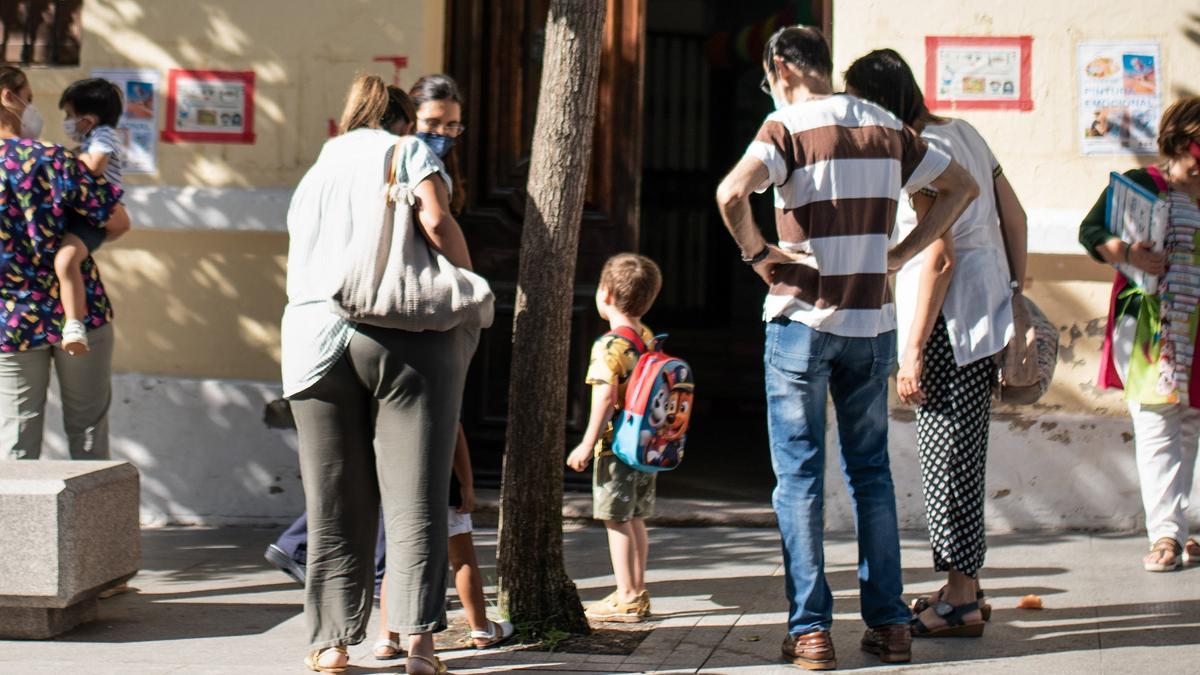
(1159,180)
(632,336)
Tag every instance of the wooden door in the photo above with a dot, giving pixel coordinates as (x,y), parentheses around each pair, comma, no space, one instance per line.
(494,50)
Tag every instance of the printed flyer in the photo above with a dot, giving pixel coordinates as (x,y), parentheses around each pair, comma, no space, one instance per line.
(207,106)
(1120,97)
(978,73)
(139,121)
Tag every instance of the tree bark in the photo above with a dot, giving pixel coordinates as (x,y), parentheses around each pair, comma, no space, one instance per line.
(534,587)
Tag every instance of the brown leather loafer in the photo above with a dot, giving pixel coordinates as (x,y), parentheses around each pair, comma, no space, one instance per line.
(812,651)
(892,643)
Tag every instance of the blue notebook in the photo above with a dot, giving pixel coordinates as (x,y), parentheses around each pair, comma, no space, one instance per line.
(1136,214)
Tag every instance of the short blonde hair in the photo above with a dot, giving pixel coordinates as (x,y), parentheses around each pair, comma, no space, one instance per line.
(634,282)
(1180,125)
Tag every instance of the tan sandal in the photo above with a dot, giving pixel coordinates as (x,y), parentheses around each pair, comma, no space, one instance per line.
(313,660)
(1154,561)
(434,662)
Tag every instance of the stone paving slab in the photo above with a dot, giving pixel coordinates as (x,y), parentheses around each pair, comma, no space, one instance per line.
(209,604)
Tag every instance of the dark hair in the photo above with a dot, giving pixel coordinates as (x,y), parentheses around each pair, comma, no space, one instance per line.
(634,282)
(400,109)
(884,78)
(94,96)
(439,87)
(1179,126)
(802,46)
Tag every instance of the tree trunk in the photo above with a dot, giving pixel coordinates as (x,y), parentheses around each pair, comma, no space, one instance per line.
(534,587)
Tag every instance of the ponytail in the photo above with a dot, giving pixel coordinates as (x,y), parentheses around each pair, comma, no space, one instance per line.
(366,104)
(12,79)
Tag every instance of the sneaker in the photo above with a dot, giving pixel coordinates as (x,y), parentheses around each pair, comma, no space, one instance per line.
(643,600)
(284,563)
(74,337)
(610,609)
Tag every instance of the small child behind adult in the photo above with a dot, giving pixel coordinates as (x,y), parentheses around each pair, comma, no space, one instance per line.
(622,496)
(465,564)
(92,110)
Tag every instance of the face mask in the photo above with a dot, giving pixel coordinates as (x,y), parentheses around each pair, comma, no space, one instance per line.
(71,129)
(31,122)
(780,102)
(440,144)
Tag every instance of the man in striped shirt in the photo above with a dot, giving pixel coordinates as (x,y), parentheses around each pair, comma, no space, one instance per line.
(838,165)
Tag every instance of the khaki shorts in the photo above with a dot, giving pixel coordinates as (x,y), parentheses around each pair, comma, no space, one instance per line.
(620,492)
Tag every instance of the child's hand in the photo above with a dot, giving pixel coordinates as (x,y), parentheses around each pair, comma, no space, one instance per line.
(468,498)
(580,457)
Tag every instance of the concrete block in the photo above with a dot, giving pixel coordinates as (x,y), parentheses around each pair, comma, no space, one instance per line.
(72,530)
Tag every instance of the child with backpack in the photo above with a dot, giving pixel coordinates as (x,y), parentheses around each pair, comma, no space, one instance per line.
(622,495)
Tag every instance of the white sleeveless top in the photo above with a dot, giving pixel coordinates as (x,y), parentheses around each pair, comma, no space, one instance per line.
(341,191)
(978,305)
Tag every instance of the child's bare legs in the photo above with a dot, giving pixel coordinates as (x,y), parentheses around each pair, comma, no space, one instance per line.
(67,262)
(642,551)
(623,548)
(468,581)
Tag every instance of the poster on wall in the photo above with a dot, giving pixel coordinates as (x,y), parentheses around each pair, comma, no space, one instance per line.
(978,73)
(138,127)
(209,106)
(1120,97)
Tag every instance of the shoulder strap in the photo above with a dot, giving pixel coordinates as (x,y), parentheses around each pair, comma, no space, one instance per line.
(630,334)
(1159,180)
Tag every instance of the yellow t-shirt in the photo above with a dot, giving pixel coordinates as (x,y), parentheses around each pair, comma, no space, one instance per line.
(612,362)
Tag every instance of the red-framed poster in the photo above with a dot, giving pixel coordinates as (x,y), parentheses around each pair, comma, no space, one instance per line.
(978,73)
(209,106)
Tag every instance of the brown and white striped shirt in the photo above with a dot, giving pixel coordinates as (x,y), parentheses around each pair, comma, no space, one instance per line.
(838,164)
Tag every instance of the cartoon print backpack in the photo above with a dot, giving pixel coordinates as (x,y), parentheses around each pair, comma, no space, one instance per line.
(652,428)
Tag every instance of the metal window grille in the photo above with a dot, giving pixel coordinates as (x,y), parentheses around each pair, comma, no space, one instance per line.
(40,32)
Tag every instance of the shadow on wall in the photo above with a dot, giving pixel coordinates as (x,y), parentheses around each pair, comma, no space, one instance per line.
(198,303)
(203,448)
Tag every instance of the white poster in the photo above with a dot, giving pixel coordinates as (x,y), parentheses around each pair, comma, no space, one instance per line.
(139,122)
(1120,97)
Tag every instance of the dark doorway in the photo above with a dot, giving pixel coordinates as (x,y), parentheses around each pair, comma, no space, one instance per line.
(678,103)
(702,106)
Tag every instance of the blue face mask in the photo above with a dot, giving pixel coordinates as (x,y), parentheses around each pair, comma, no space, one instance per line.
(440,144)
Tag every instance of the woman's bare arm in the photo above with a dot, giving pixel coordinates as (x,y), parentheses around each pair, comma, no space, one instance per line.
(438,224)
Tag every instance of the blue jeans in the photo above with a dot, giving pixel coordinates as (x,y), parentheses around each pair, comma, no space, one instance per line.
(803,367)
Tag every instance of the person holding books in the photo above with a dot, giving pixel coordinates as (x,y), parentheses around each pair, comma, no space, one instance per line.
(1151,336)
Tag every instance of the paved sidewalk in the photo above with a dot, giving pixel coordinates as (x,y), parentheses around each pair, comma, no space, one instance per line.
(209,604)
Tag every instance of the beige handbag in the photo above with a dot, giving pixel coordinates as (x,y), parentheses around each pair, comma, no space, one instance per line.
(396,279)
(1026,364)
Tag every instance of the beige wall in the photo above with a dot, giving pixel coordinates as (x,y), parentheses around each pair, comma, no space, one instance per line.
(1040,149)
(205,303)
(304,54)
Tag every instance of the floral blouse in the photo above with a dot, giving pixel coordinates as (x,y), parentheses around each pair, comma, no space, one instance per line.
(40,187)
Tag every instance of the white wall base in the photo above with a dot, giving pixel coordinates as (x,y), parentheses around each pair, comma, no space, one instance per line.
(204,453)
(207,458)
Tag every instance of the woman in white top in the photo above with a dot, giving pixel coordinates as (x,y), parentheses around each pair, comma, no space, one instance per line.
(376,409)
(954,313)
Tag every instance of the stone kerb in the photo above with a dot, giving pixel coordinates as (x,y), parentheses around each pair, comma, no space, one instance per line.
(69,530)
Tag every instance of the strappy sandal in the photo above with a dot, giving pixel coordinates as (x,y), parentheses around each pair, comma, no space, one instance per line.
(956,624)
(926,601)
(434,662)
(1191,552)
(497,632)
(1153,562)
(313,661)
(393,647)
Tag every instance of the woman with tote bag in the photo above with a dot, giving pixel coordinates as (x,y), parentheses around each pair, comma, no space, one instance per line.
(382,319)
